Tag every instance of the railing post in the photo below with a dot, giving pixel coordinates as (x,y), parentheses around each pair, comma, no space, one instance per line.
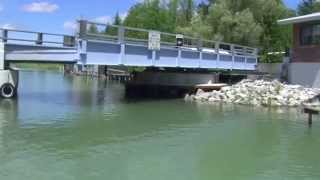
(199,47)
(4,35)
(69,41)
(121,34)
(179,57)
(200,44)
(233,56)
(83,29)
(217,47)
(39,39)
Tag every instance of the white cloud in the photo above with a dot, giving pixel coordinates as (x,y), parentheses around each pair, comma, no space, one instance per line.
(103,19)
(70,25)
(40,7)
(8,26)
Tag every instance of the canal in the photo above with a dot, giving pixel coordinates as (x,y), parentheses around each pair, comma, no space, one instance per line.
(79,128)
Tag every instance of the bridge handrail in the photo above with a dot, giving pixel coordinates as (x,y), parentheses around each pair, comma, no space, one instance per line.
(190,42)
(68,40)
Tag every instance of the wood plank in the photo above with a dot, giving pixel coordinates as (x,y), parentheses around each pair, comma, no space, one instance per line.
(208,87)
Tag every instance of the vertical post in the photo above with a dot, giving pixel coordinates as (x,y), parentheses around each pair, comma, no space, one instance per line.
(69,41)
(310,119)
(82,43)
(121,34)
(154,54)
(179,57)
(2,56)
(199,47)
(83,29)
(39,39)
(200,58)
(121,39)
(4,35)
(122,53)
(233,56)
(199,44)
(217,47)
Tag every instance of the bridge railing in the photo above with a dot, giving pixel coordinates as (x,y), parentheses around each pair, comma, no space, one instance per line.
(122,34)
(36,38)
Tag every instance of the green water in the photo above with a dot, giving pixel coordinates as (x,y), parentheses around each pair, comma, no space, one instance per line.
(76,128)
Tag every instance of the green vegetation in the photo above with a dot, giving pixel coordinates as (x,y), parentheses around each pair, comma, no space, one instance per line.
(38,66)
(308,6)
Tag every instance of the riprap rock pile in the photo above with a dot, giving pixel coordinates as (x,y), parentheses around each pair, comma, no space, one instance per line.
(258,93)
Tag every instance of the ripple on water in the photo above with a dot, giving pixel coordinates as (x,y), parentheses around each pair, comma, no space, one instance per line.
(79,128)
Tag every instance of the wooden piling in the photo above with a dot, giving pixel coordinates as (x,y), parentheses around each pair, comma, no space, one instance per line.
(311,111)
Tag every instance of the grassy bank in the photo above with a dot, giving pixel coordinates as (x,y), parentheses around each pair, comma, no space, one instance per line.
(38,66)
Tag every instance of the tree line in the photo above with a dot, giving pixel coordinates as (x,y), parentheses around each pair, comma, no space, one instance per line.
(246,22)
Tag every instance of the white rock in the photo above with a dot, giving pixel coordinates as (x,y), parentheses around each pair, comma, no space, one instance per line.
(259,93)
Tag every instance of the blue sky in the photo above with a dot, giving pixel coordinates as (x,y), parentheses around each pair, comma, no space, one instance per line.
(59,15)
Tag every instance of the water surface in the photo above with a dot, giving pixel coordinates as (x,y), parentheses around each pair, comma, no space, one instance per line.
(78,128)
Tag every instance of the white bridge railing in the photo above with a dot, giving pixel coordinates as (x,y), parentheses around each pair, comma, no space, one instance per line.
(16,36)
(127,46)
(131,35)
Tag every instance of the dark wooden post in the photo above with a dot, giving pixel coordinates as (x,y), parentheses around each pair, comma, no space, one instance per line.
(310,112)
(39,39)
(310,119)
(69,41)
(83,29)
(4,35)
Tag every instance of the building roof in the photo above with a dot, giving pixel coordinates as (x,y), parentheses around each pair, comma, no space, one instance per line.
(300,19)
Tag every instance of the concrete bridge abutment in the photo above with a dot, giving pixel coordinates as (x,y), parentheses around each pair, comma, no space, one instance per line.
(9,79)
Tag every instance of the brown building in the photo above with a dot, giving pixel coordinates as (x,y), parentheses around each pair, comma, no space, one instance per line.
(304,67)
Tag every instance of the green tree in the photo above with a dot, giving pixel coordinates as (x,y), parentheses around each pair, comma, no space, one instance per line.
(113,30)
(149,15)
(93,29)
(308,7)
(233,26)
(117,19)
(186,12)
(173,11)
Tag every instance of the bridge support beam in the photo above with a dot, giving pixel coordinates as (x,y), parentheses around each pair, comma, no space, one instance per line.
(161,84)
(8,78)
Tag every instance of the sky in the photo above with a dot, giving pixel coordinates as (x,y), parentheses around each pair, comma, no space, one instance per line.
(58,16)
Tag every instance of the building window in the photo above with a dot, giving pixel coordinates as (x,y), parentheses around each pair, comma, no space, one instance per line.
(310,35)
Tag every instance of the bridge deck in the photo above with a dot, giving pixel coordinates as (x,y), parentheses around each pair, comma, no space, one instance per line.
(128,47)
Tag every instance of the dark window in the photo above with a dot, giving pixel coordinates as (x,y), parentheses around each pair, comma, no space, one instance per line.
(310,34)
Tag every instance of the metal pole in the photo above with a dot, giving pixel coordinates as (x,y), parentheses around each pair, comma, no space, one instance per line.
(121,34)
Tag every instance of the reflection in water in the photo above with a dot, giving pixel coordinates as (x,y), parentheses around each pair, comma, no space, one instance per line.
(65,127)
